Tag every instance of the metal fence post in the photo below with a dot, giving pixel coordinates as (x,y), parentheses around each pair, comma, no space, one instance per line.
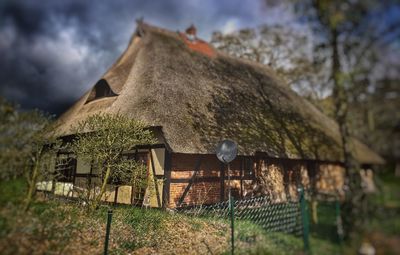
(339,226)
(305,222)
(109,218)
(232,212)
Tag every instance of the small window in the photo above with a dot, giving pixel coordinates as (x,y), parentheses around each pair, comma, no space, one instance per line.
(65,168)
(101,90)
(248,167)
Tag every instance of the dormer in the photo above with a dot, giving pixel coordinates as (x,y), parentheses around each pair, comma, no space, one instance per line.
(101,90)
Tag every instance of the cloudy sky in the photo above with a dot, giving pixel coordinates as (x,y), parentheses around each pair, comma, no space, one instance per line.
(53,51)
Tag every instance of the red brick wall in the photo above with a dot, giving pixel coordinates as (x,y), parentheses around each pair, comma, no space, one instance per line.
(281,178)
(199,193)
(183,167)
(207,191)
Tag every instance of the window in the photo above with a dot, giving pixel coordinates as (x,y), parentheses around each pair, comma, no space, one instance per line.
(65,168)
(248,167)
(101,90)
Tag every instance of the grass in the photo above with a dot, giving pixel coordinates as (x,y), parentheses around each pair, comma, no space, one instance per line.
(251,238)
(390,186)
(144,225)
(384,228)
(386,205)
(53,226)
(12,192)
(323,238)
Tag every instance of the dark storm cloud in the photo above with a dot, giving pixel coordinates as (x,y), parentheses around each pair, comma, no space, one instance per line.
(53,51)
(34,72)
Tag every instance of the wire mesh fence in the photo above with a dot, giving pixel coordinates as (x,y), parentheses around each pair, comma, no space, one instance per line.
(262,211)
(288,226)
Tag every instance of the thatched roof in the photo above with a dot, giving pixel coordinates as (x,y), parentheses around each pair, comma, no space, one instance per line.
(199,96)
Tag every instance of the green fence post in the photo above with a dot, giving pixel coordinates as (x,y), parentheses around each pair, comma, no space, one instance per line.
(232,213)
(306,227)
(109,218)
(339,226)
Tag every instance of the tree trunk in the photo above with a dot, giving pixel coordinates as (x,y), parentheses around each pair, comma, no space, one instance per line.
(103,187)
(352,215)
(397,170)
(31,186)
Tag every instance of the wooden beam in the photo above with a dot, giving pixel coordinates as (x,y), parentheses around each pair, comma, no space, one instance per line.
(132,190)
(86,175)
(144,147)
(222,181)
(89,178)
(74,176)
(155,179)
(167,178)
(151,146)
(208,179)
(242,162)
(191,180)
(312,171)
(286,179)
(116,195)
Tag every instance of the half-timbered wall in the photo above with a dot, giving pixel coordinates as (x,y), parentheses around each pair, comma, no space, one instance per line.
(176,179)
(154,191)
(330,178)
(202,179)
(85,177)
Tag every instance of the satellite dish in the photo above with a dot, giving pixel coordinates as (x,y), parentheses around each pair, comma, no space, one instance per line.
(226,151)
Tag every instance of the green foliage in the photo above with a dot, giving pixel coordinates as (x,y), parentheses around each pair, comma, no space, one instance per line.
(364,36)
(48,227)
(347,31)
(27,146)
(367,43)
(103,139)
(22,136)
(41,148)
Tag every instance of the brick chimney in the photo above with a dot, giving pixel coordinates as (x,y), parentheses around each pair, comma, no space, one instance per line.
(191,33)
(196,44)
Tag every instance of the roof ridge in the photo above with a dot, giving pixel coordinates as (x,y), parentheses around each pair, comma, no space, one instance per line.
(220,53)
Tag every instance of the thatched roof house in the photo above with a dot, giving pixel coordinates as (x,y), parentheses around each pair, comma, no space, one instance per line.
(194,95)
